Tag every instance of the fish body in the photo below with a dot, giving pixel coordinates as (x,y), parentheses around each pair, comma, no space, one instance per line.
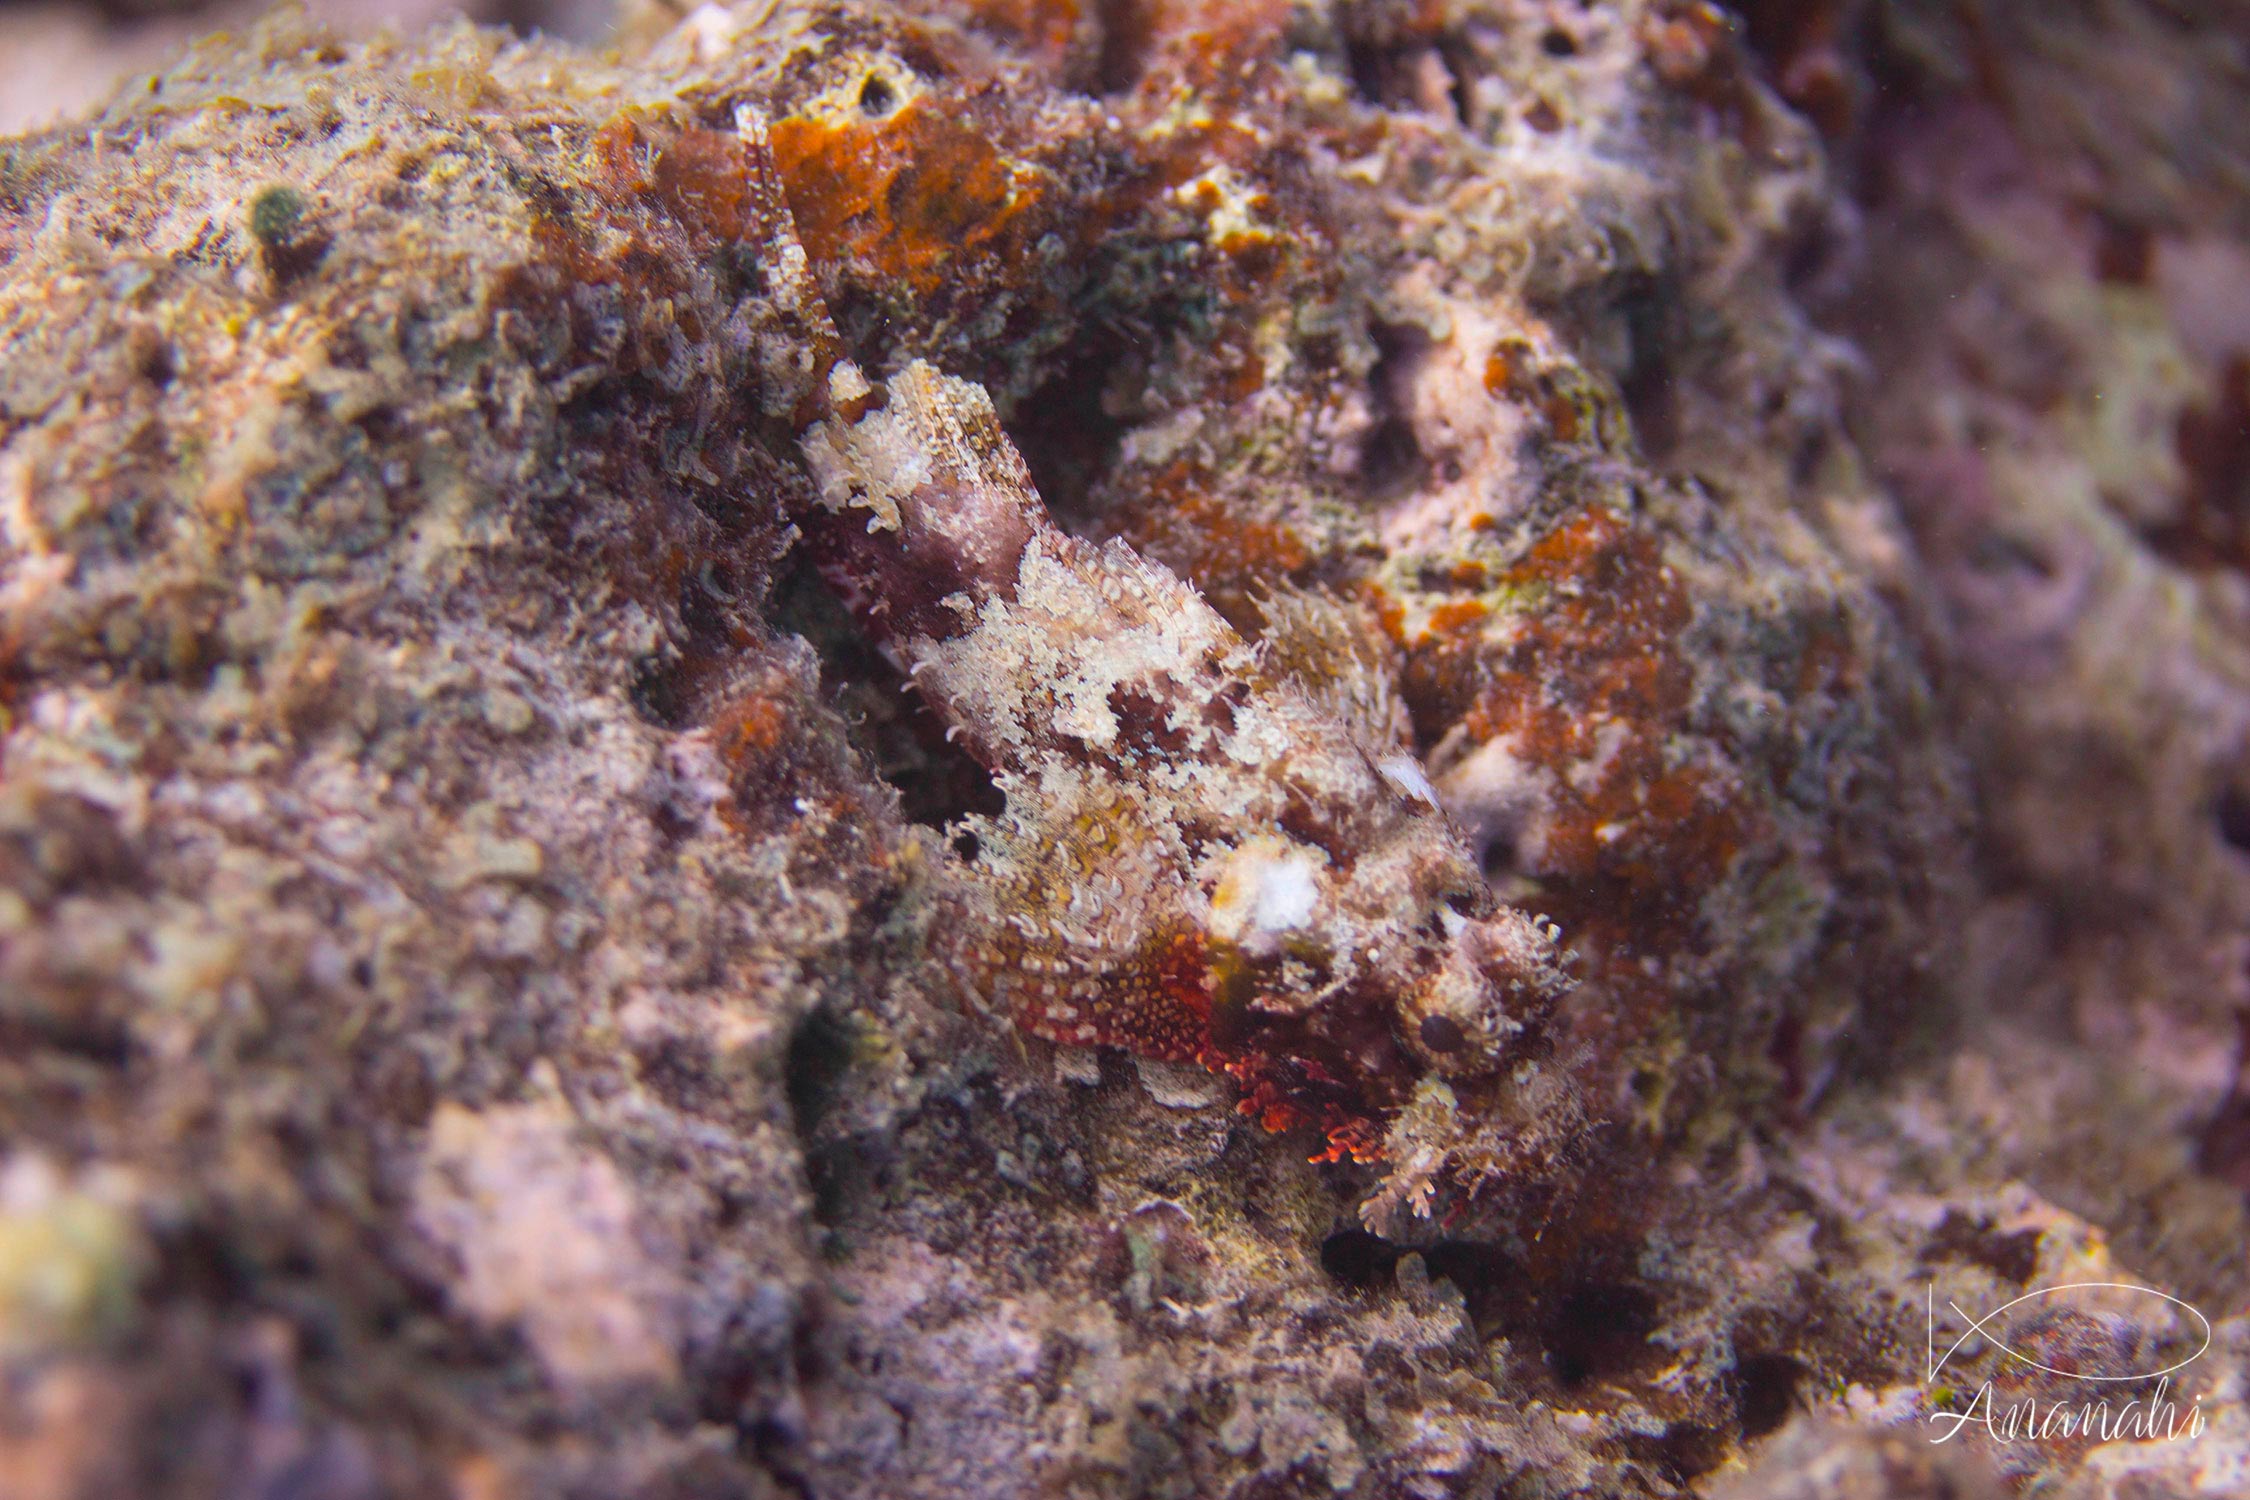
(1212,850)
(1205,855)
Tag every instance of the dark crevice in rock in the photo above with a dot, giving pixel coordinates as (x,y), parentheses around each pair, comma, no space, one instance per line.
(1813,56)
(1587,1328)
(1600,1331)
(2013,1256)
(2230,813)
(1359,1260)
(1066,431)
(1651,311)
(659,690)
(1366,62)
(1683,1451)
(1127,28)
(1786,1048)
(1483,1274)
(815,1071)
(820,1051)
(936,780)
(2210,526)
(2223,1148)
(673,685)
(1391,461)
(1461,76)
(1399,72)
(1765,1392)
(776,1449)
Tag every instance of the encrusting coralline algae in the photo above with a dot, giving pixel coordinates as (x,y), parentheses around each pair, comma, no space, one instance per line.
(680,733)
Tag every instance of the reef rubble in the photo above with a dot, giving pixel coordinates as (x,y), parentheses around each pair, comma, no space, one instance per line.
(682,729)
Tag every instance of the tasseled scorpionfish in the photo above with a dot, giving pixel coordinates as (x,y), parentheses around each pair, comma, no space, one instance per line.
(1205,856)
(1211,851)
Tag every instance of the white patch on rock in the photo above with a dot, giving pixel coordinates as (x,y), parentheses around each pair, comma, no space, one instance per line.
(1180,1085)
(542,1226)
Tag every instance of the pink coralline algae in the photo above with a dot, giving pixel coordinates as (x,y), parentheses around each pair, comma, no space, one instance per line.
(716,757)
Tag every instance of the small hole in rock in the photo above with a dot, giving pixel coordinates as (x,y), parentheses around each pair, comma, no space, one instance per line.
(2223,1150)
(1959,1236)
(2232,814)
(1461,74)
(1489,1281)
(1067,435)
(1686,1450)
(2211,527)
(876,97)
(1599,1331)
(707,602)
(1559,43)
(1128,37)
(1786,1049)
(819,1053)
(1765,1392)
(1391,462)
(2123,252)
(158,364)
(937,780)
(1366,63)
(659,690)
(1357,1258)
(250,1383)
(1996,552)
(1655,333)
(1498,856)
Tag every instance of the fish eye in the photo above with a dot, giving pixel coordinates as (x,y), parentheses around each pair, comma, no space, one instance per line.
(1443,1034)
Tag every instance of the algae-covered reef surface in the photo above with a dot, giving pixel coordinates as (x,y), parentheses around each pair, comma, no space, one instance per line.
(1015,749)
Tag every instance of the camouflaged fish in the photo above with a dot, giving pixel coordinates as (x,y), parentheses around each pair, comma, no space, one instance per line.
(1211,851)
(1205,855)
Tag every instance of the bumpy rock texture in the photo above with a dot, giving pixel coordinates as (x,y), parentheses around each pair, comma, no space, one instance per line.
(481,1008)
